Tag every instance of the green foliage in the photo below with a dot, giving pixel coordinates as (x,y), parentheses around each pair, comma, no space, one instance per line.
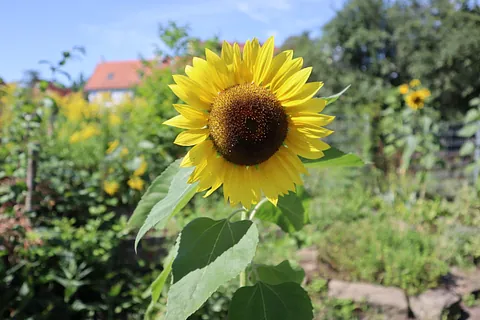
(283,272)
(287,300)
(334,158)
(376,45)
(73,271)
(178,195)
(210,253)
(288,214)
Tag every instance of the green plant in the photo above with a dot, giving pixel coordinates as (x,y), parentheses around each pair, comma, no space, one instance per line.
(471,131)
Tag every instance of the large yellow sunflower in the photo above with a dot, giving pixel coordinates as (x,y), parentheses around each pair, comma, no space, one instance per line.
(249,117)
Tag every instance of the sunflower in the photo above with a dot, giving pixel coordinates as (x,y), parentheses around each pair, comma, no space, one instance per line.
(112,146)
(403,89)
(111,187)
(250,117)
(416,100)
(136,183)
(415,83)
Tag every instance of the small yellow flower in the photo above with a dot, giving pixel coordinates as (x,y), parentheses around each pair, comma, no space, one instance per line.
(415,100)
(415,83)
(403,88)
(111,187)
(425,92)
(75,137)
(141,169)
(124,152)
(136,183)
(112,146)
(114,119)
(89,131)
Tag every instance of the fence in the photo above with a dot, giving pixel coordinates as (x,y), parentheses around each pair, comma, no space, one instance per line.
(353,134)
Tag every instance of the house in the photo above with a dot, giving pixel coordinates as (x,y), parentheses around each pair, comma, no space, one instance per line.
(116,78)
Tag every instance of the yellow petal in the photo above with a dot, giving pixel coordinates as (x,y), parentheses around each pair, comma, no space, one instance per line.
(304,94)
(188,84)
(291,86)
(211,172)
(192,137)
(202,75)
(314,120)
(237,64)
(286,71)
(314,132)
(315,105)
(198,153)
(277,62)
(190,112)
(184,123)
(227,52)
(299,144)
(267,186)
(218,171)
(218,65)
(189,97)
(264,60)
(250,54)
(187,161)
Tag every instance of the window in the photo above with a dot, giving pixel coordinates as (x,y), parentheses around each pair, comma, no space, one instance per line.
(110,76)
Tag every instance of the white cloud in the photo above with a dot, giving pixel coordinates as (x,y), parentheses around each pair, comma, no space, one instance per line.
(271,33)
(262,10)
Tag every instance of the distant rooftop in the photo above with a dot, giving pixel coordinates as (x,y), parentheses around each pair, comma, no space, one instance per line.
(115,75)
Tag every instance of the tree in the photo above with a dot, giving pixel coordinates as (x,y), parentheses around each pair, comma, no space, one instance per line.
(378,44)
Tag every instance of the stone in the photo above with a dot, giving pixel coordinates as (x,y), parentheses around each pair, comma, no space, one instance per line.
(465,282)
(430,304)
(392,301)
(308,260)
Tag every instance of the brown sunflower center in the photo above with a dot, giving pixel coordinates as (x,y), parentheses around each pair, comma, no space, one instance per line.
(247,124)
(417,100)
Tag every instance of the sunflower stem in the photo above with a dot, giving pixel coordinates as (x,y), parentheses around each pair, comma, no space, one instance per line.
(235,212)
(254,211)
(243,274)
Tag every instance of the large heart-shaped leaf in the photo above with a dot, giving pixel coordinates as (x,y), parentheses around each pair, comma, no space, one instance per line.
(289,214)
(334,158)
(285,301)
(210,254)
(178,194)
(280,273)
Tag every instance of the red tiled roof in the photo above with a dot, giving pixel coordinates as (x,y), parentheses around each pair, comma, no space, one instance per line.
(115,75)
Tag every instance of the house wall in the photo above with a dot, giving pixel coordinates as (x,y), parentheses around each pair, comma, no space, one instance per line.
(116,95)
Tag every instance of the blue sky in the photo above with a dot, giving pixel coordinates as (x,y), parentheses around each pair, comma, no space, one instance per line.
(119,30)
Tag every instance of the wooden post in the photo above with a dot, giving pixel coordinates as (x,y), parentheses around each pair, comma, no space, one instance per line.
(31,174)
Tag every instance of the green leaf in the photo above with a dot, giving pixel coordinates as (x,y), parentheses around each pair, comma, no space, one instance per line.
(289,213)
(467,148)
(159,283)
(210,254)
(155,192)
(469,130)
(408,152)
(285,301)
(203,240)
(280,273)
(177,197)
(472,115)
(334,158)
(333,98)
